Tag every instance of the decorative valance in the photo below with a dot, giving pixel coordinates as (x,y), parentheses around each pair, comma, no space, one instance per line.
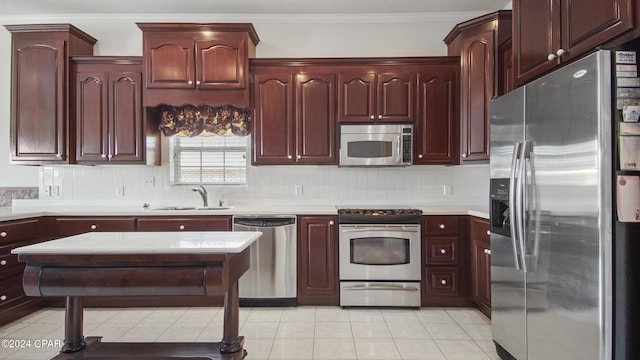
(204,120)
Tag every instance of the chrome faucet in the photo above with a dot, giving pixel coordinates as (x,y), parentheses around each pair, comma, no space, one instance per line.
(203,193)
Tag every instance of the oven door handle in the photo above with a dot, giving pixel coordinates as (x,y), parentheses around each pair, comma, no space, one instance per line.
(393,229)
(381,287)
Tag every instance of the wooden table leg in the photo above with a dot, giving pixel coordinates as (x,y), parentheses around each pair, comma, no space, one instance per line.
(73,338)
(230,340)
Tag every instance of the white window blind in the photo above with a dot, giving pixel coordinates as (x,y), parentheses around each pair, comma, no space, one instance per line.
(212,160)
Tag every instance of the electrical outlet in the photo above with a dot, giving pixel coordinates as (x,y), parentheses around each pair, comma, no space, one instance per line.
(447,190)
(55,191)
(46,191)
(297,190)
(150,180)
(120,190)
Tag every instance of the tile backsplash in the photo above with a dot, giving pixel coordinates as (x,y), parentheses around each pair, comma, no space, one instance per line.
(9,193)
(314,184)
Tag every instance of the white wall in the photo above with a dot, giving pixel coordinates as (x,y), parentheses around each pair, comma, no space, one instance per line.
(281,36)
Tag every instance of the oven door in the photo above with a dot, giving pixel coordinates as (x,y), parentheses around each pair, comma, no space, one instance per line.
(379,252)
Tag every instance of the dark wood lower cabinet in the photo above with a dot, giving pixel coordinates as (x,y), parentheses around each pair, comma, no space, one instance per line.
(317,260)
(480,264)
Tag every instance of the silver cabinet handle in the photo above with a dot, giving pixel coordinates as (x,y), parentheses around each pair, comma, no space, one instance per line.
(487,251)
(381,287)
(3,262)
(103,156)
(190,82)
(93,226)
(181,227)
(3,297)
(198,82)
(3,234)
(551,57)
(442,226)
(443,282)
(419,156)
(561,52)
(443,251)
(299,157)
(331,222)
(289,157)
(464,156)
(489,232)
(379,116)
(373,117)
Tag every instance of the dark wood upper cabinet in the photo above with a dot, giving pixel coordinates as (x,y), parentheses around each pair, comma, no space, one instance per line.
(548,33)
(182,59)
(40,83)
(107,110)
(477,42)
(383,95)
(436,131)
(294,110)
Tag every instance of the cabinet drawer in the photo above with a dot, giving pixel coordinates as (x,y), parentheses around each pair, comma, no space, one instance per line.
(11,291)
(18,231)
(9,266)
(200,223)
(442,250)
(479,229)
(74,226)
(442,225)
(442,281)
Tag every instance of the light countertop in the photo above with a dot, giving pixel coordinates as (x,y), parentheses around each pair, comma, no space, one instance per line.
(34,208)
(108,243)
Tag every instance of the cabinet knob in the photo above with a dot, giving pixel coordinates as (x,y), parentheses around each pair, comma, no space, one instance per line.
(93,226)
(442,226)
(3,297)
(331,222)
(443,251)
(3,234)
(3,262)
(103,156)
(379,116)
(443,282)
(59,156)
(551,57)
(181,227)
(198,82)
(487,251)
(372,117)
(298,157)
(109,156)
(289,157)
(464,156)
(488,232)
(190,82)
(561,52)
(419,156)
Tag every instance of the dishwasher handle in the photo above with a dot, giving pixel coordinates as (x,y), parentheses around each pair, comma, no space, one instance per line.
(265,221)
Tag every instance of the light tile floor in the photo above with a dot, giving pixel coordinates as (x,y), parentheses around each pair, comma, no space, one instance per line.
(300,333)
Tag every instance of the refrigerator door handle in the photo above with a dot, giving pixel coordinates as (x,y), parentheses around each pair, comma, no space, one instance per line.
(532,208)
(520,203)
(512,204)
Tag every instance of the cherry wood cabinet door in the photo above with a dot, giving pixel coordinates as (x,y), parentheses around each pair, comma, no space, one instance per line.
(38,120)
(221,64)
(317,261)
(170,63)
(356,96)
(107,110)
(273,125)
(315,118)
(396,94)
(586,24)
(542,28)
(480,264)
(536,34)
(92,116)
(477,82)
(436,127)
(126,134)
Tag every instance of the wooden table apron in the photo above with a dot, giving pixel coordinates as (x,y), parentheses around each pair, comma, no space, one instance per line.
(76,276)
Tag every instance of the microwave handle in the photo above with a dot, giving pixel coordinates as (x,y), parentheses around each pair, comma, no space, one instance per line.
(399,150)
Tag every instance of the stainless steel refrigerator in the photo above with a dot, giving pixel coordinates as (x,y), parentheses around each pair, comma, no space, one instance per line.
(553,222)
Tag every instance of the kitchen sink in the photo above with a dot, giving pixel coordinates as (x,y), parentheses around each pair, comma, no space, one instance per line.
(193,208)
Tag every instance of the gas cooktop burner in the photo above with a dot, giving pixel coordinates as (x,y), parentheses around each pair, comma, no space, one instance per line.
(379,215)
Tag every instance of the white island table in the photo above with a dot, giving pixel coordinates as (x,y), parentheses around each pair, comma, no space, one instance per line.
(140,264)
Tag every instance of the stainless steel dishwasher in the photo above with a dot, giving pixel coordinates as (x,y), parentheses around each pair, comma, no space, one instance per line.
(271,278)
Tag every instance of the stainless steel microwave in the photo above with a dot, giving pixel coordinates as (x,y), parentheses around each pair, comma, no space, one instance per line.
(376,145)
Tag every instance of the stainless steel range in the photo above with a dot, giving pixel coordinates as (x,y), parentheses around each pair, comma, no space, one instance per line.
(379,252)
